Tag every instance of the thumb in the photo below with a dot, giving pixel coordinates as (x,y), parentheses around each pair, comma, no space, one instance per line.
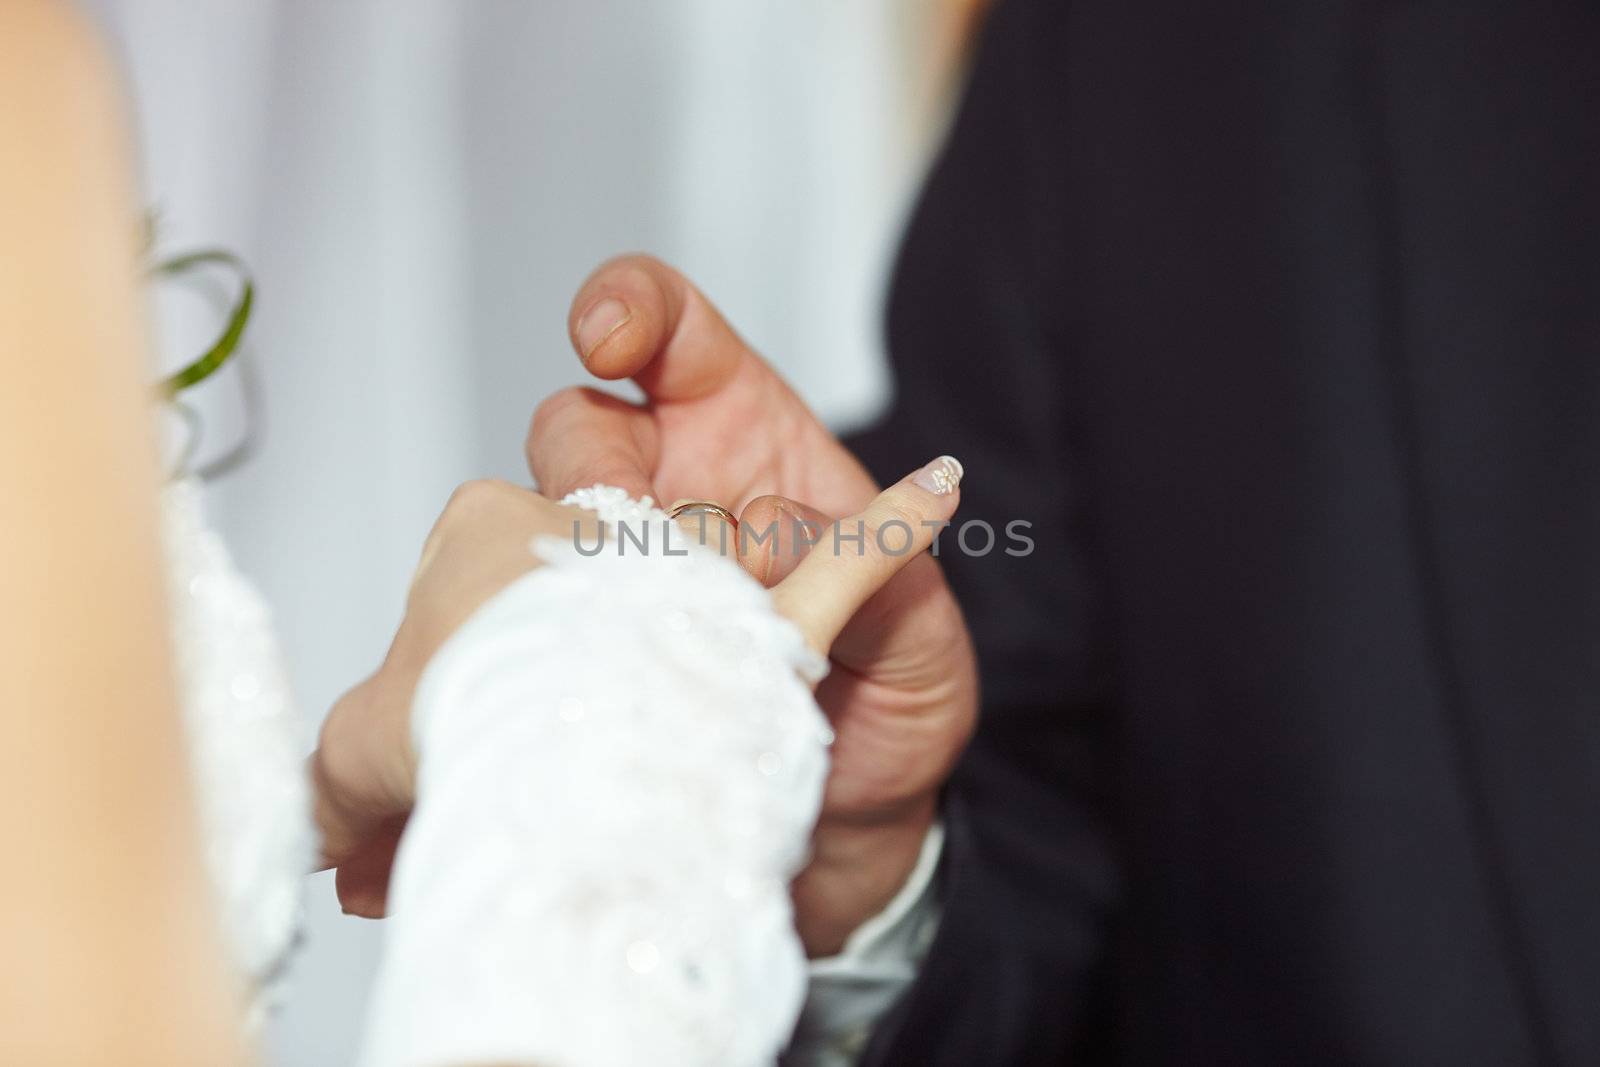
(857,556)
(635,317)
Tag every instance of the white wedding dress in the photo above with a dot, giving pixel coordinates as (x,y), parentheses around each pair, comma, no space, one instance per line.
(620,764)
(246,745)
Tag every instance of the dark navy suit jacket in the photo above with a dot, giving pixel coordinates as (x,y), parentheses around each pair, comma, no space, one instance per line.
(1281,323)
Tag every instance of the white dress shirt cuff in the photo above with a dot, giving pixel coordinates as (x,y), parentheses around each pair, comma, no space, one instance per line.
(851,992)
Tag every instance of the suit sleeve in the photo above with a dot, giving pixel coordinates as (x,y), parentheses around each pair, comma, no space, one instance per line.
(980,341)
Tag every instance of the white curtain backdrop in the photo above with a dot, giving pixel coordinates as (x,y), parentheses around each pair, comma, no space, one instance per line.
(419,186)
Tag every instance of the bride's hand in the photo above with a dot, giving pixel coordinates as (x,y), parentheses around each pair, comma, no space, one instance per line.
(364,769)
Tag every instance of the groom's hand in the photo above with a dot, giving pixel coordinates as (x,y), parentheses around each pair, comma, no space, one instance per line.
(719,424)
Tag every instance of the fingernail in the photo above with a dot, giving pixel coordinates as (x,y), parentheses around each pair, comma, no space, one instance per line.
(599,322)
(941,477)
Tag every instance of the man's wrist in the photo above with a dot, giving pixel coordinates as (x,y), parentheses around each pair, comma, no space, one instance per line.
(856,869)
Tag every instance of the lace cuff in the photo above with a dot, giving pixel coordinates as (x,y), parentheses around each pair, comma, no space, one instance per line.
(620,765)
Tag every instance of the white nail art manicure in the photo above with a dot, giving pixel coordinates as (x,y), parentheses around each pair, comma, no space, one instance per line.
(942,476)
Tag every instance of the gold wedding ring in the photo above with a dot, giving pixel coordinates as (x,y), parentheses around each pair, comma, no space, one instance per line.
(702,507)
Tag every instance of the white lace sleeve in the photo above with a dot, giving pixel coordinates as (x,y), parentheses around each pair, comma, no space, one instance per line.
(246,746)
(620,764)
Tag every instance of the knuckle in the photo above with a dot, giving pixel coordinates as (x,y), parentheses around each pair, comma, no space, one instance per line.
(894,510)
(549,415)
(471,498)
(892,531)
(600,472)
(882,544)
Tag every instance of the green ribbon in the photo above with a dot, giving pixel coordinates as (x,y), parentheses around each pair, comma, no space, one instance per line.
(227,344)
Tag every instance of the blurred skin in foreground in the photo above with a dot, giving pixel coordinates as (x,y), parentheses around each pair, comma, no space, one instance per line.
(112,953)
